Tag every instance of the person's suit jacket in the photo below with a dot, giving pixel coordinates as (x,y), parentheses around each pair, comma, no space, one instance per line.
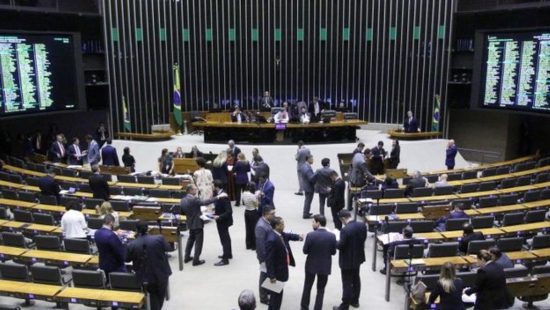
(99,186)
(267,199)
(261,169)
(450,155)
(286,238)
(277,257)
(261,232)
(241,169)
(72,158)
(191,206)
(110,249)
(149,260)
(93,153)
(236,150)
(109,156)
(311,108)
(378,153)
(394,156)
(490,288)
(49,186)
(308,178)
(301,157)
(337,195)
(38,145)
(220,173)
(235,119)
(352,245)
(359,172)
(222,208)
(55,152)
(322,180)
(417,182)
(319,247)
(410,125)
(463,244)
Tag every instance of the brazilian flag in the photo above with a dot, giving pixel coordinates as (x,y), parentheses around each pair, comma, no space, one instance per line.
(437,115)
(177,96)
(127,123)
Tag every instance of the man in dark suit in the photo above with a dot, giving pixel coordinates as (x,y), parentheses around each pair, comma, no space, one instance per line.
(450,155)
(101,134)
(377,161)
(38,143)
(337,200)
(98,184)
(48,185)
(57,152)
(75,155)
(410,124)
(260,168)
(109,155)
(308,182)
(352,255)
(266,102)
(323,183)
(315,108)
(191,206)
(223,214)
(263,228)
(456,213)
(238,116)
(301,157)
(110,248)
(150,263)
(267,192)
(417,181)
(319,247)
(468,235)
(234,149)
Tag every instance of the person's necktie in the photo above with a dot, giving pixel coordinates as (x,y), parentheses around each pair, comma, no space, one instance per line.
(286,250)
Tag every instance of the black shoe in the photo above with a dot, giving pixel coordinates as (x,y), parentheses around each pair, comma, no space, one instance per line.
(336,308)
(188,259)
(383,271)
(221,257)
(299,193)
(307,216)
(265,301)
(223,262)
(198,262)
(355,304)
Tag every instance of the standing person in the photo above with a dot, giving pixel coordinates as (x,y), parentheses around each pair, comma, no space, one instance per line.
(378,153)
(57,152)
(93,151)
(219,168)
(73,222)
(266,102)
(101,134)
(323,183)
(203,179)
(241,169)
(468,235)
(224,219)
(359,148)
(48,185)
(395,154)
(250,203)
(301,157)
(352,255)
(319,247)
(195,153)
(160,160)
(308,182)
(234,149)
(263,228)
(168,165)
(179,153)
(490,284)
(98,184)
(128,160)
(109,155)
(359,172)
(191,206)
(450,155)
(110,248)
(150,263)
(410,124)
(266,192)
(336,200)
(448,289)
(230,188)
(75,155)
(260,169)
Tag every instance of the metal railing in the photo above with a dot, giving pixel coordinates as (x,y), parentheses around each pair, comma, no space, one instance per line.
(480,156)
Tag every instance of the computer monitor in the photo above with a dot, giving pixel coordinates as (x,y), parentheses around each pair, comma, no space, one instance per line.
(275,110)
(350,115)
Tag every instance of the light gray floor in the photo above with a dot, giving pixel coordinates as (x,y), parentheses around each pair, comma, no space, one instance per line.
(210,287)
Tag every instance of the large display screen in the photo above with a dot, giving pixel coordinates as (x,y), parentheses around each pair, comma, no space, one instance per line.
(37,73)
(515,71)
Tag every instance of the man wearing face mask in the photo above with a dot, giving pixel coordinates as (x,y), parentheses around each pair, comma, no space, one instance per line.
(224,219)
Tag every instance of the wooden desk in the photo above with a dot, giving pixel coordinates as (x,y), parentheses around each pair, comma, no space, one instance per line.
(54,256)
(478,194)
(11,184)
(396,217)
(16,203)
(11,251)
(429,236)
(434,198)
(121,214)
(537,204)
(104,297)
(401,135)
(29,289)
(526,227)
(471,212)
(137,185)
(485,166)
(500,209)
(515,189)
(13,224)
(43,228)
(427,263)
(388,201)
(541,253)
(49,208)
(455,234)
(94,261)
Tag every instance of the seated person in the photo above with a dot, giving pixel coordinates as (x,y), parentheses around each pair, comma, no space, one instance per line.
(500,258)
(48,185)
(467,236)
(304,116)
(238,116)
(442,182)
(416,182)
(390,183)
(389,249)
(281,117)
(456,213)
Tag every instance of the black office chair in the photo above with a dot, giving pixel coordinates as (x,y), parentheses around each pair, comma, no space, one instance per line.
(515,218)
(541,270)
(380,209)
(525,166)
(469,175)
(454,177)
(468,277)
(27,196)
(126,178)
(47,242)
(130,225)
(171,181)
(524,180)
(531,196)
(466,203)
(506,200)
(92,203)
(540,242)
(487,202)
(432,178)
(120,206)
(409,207)
(510,244)
(422,192)
(15,178)
(84,187)
(395,226)
(48,275)
(373,194)
(407,180)
(160,193)
(47,200)
(14,271)
(116,190)
(143,179)
(485,221)
(43,218)
(133,191)
(455,224)
(489,172)
(9,194)
(3,213)
(422,226)
(444,190)
(516,272)
(84,174)
(107,177)
(22,216)
(14,239)
(89,278)
(95,222)
(68,172)
(503,170)
(178,194)
(534,216)
(543,162)
(545,193)
(32,181)
(475,246)
(4,176)
(394,193)
(487,186)
(77,246)
(124,281)
(509,182)
(66,200)
(430,280)
(542,177)
(443,249)
(469,188)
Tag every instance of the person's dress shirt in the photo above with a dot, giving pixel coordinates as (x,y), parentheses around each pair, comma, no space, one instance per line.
(74,224)
(250,201)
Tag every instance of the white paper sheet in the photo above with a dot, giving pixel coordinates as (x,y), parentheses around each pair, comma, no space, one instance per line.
(276,287)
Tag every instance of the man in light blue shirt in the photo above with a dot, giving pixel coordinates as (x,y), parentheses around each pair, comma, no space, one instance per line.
(93,151)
